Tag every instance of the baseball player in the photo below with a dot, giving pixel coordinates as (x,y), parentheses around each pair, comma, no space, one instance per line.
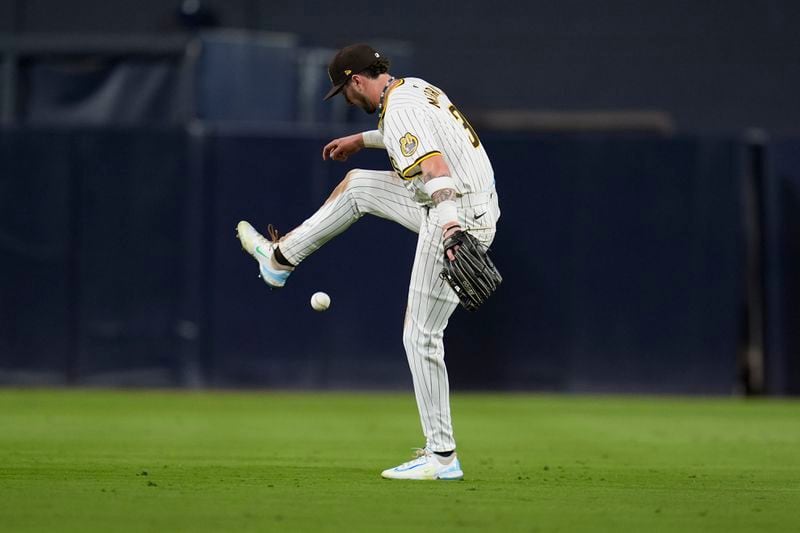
(442,182)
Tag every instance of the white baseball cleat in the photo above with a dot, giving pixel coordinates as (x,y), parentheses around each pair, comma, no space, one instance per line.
(262,249)
(427,465)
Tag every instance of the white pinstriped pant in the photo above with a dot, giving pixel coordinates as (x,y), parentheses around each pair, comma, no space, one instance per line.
(430,300)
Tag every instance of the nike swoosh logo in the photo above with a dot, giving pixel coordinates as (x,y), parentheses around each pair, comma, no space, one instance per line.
(409,468)
(258,251)
(479,216)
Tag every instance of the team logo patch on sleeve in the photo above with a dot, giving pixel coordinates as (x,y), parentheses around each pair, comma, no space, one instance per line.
(408,144)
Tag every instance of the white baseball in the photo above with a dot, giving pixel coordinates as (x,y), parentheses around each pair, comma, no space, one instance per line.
(320,301)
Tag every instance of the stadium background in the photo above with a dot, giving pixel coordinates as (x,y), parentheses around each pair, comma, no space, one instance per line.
(647,158)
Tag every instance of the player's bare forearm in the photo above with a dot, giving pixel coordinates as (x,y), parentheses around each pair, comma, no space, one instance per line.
(443,196)
(434,167)
(343,147)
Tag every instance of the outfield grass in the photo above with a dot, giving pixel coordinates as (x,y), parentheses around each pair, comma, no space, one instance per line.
(76,460)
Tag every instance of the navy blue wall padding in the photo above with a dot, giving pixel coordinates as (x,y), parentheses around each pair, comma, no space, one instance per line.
(782,266)
(37,285)
(91,240)
(130,244)
(622,261)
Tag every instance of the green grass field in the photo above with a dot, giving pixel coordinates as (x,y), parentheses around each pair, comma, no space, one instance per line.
(77,460)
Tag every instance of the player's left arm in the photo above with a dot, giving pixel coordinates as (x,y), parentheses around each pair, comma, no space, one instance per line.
(441,188)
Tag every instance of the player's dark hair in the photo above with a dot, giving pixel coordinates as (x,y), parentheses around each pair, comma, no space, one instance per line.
(380,66)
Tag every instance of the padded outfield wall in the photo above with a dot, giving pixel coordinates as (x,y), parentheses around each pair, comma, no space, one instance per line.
(623,261)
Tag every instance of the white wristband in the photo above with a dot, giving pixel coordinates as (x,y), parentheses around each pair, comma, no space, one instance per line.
(373,139)
(437,184)
(447,212)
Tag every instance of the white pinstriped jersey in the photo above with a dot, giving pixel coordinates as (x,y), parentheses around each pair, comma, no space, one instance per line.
(419,121)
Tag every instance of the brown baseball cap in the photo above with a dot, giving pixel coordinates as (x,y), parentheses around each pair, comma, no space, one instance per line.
(348,61)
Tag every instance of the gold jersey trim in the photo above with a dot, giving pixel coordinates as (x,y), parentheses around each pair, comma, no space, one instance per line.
(418,162)
(400,82)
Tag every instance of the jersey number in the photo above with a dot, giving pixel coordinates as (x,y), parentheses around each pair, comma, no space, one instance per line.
(473,137)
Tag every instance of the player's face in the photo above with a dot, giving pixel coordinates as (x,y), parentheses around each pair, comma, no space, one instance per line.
(354,93)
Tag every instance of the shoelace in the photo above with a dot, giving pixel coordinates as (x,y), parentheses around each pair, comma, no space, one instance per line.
(419,453)
(274,235)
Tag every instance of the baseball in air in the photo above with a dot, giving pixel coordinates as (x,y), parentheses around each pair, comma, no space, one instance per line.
(320,301)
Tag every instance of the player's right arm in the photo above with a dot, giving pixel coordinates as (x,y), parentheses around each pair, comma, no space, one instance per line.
(441,188)
(342,148)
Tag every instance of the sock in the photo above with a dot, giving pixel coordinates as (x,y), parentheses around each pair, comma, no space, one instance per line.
(280,259)
(445,458)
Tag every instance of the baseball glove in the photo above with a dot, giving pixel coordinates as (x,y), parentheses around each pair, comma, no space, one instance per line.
(472,275)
